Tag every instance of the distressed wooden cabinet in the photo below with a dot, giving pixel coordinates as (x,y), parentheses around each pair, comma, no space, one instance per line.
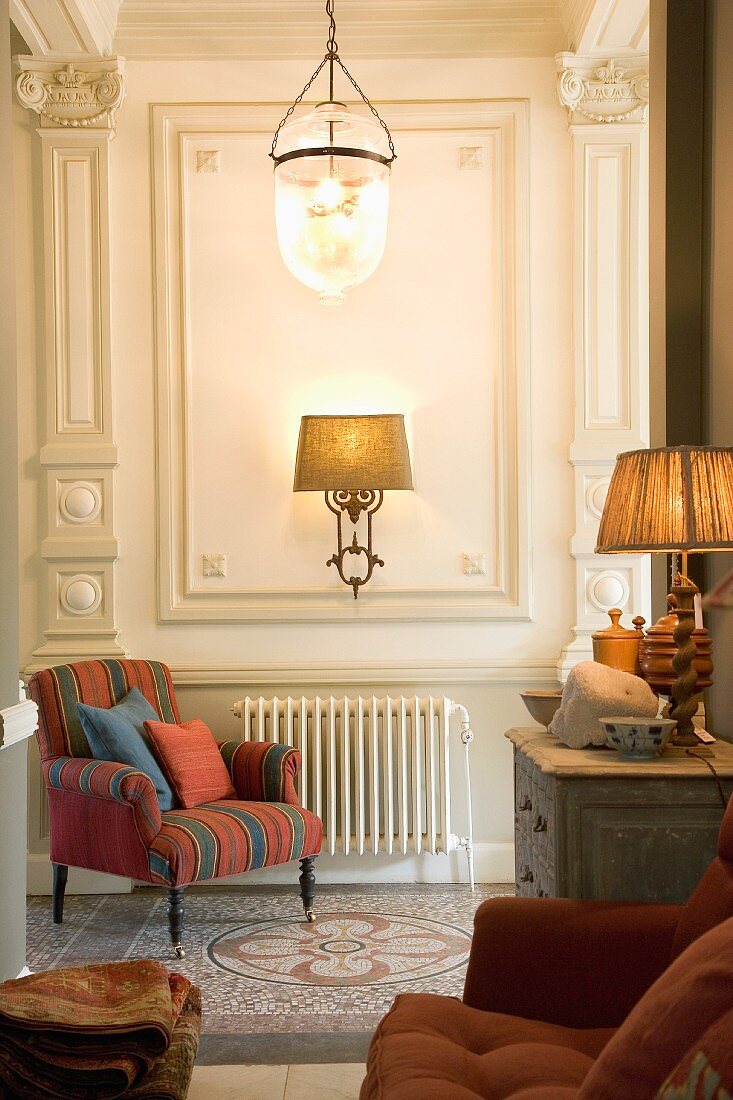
(590,825)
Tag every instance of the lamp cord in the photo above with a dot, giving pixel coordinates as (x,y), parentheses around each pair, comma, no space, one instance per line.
(332,57)
(716,777)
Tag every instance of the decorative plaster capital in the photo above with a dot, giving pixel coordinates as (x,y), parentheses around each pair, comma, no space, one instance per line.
(603,91)
(76,93)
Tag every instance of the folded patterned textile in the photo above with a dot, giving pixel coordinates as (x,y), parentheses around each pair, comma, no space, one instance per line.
(87,1031)
(171,1075)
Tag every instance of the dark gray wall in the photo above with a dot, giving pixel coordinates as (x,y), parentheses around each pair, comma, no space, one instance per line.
(719,315)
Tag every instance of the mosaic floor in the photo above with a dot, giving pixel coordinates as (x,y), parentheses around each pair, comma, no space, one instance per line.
(276,988)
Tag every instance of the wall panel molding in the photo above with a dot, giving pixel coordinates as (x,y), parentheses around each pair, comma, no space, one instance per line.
(610,327)
(318,675)
(505,596)
(79,455)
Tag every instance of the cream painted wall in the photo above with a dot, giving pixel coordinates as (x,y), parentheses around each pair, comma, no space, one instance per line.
(12,756)
(721,330)
(481,663)
(551,379)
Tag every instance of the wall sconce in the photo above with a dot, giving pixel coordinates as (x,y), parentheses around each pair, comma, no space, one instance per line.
(353,459)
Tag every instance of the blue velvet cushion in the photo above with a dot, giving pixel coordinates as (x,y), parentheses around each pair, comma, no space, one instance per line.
(118,733)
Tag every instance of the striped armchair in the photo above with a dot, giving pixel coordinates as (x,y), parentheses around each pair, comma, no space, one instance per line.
(105,816)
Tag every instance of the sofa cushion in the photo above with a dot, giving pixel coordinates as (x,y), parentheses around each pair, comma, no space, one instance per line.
(191,760)
(712,901)
(707,1068)
(436,1048)
(676,1012)
(229,837)
(118,734)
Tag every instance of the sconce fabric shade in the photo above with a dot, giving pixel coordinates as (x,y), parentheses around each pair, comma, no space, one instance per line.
(669,499)
(352,452)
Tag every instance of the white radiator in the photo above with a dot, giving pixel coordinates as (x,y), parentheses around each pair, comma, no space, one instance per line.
(376,771)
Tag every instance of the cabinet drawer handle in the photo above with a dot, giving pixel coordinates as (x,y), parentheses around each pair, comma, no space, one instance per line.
(525,804)
(526,875)
(540,825)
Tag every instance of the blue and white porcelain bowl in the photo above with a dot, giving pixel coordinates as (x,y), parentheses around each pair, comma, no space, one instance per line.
(637,738)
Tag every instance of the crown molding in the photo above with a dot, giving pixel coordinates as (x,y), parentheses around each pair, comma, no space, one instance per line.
(296,29)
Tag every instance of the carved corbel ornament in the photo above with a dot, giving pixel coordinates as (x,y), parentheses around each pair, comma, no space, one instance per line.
(80,93)
(604,91)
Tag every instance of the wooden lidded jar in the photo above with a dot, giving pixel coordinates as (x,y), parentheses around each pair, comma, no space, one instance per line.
(658,647)
(618,647)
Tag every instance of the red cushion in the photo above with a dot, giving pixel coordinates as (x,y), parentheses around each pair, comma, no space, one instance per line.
(712,901)
(707,1068)
(430,1047)
(191,760)
(691,995)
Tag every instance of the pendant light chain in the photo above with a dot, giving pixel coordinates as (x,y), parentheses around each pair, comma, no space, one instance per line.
(370,105)
(332,56)
(332,44)
(296,103)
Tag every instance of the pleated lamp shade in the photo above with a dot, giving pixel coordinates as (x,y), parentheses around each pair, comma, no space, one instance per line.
(352,452)
(669,499)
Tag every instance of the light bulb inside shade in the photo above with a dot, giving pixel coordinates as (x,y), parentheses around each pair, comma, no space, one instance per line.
(331,214)
(328,194)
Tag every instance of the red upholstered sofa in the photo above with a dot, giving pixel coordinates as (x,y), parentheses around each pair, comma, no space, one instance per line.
(576,1000)
(105,816)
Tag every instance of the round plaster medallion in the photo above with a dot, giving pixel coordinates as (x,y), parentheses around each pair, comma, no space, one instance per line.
(80,502)
(341,949)
(607,589)
(595,496)
(81,595)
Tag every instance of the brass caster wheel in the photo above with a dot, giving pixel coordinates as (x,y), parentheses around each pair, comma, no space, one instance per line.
(180,953)
(310,916)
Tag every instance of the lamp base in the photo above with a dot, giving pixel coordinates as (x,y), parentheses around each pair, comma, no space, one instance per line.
(683,703)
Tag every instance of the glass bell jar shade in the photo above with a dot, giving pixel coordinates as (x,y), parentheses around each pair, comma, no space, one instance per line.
(332,198)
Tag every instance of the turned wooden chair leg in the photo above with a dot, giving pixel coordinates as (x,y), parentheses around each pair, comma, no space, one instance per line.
(60,875)
(308,886)
(175,918)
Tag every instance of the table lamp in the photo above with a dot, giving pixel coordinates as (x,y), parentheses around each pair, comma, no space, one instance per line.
(672,500)
(352,460)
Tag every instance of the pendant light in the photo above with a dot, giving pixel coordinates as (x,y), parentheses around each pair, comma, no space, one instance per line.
(332,169)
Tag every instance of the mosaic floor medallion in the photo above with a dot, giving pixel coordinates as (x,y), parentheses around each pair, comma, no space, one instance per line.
(274,988)
(342,949)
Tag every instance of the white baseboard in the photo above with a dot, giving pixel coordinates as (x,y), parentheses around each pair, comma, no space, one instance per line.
(493,863)
(38,880)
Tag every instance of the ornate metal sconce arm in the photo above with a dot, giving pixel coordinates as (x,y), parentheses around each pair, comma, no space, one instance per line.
(354,502)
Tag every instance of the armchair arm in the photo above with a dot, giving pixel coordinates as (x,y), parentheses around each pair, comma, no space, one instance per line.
(262,771)
(117,783)
(565,961)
